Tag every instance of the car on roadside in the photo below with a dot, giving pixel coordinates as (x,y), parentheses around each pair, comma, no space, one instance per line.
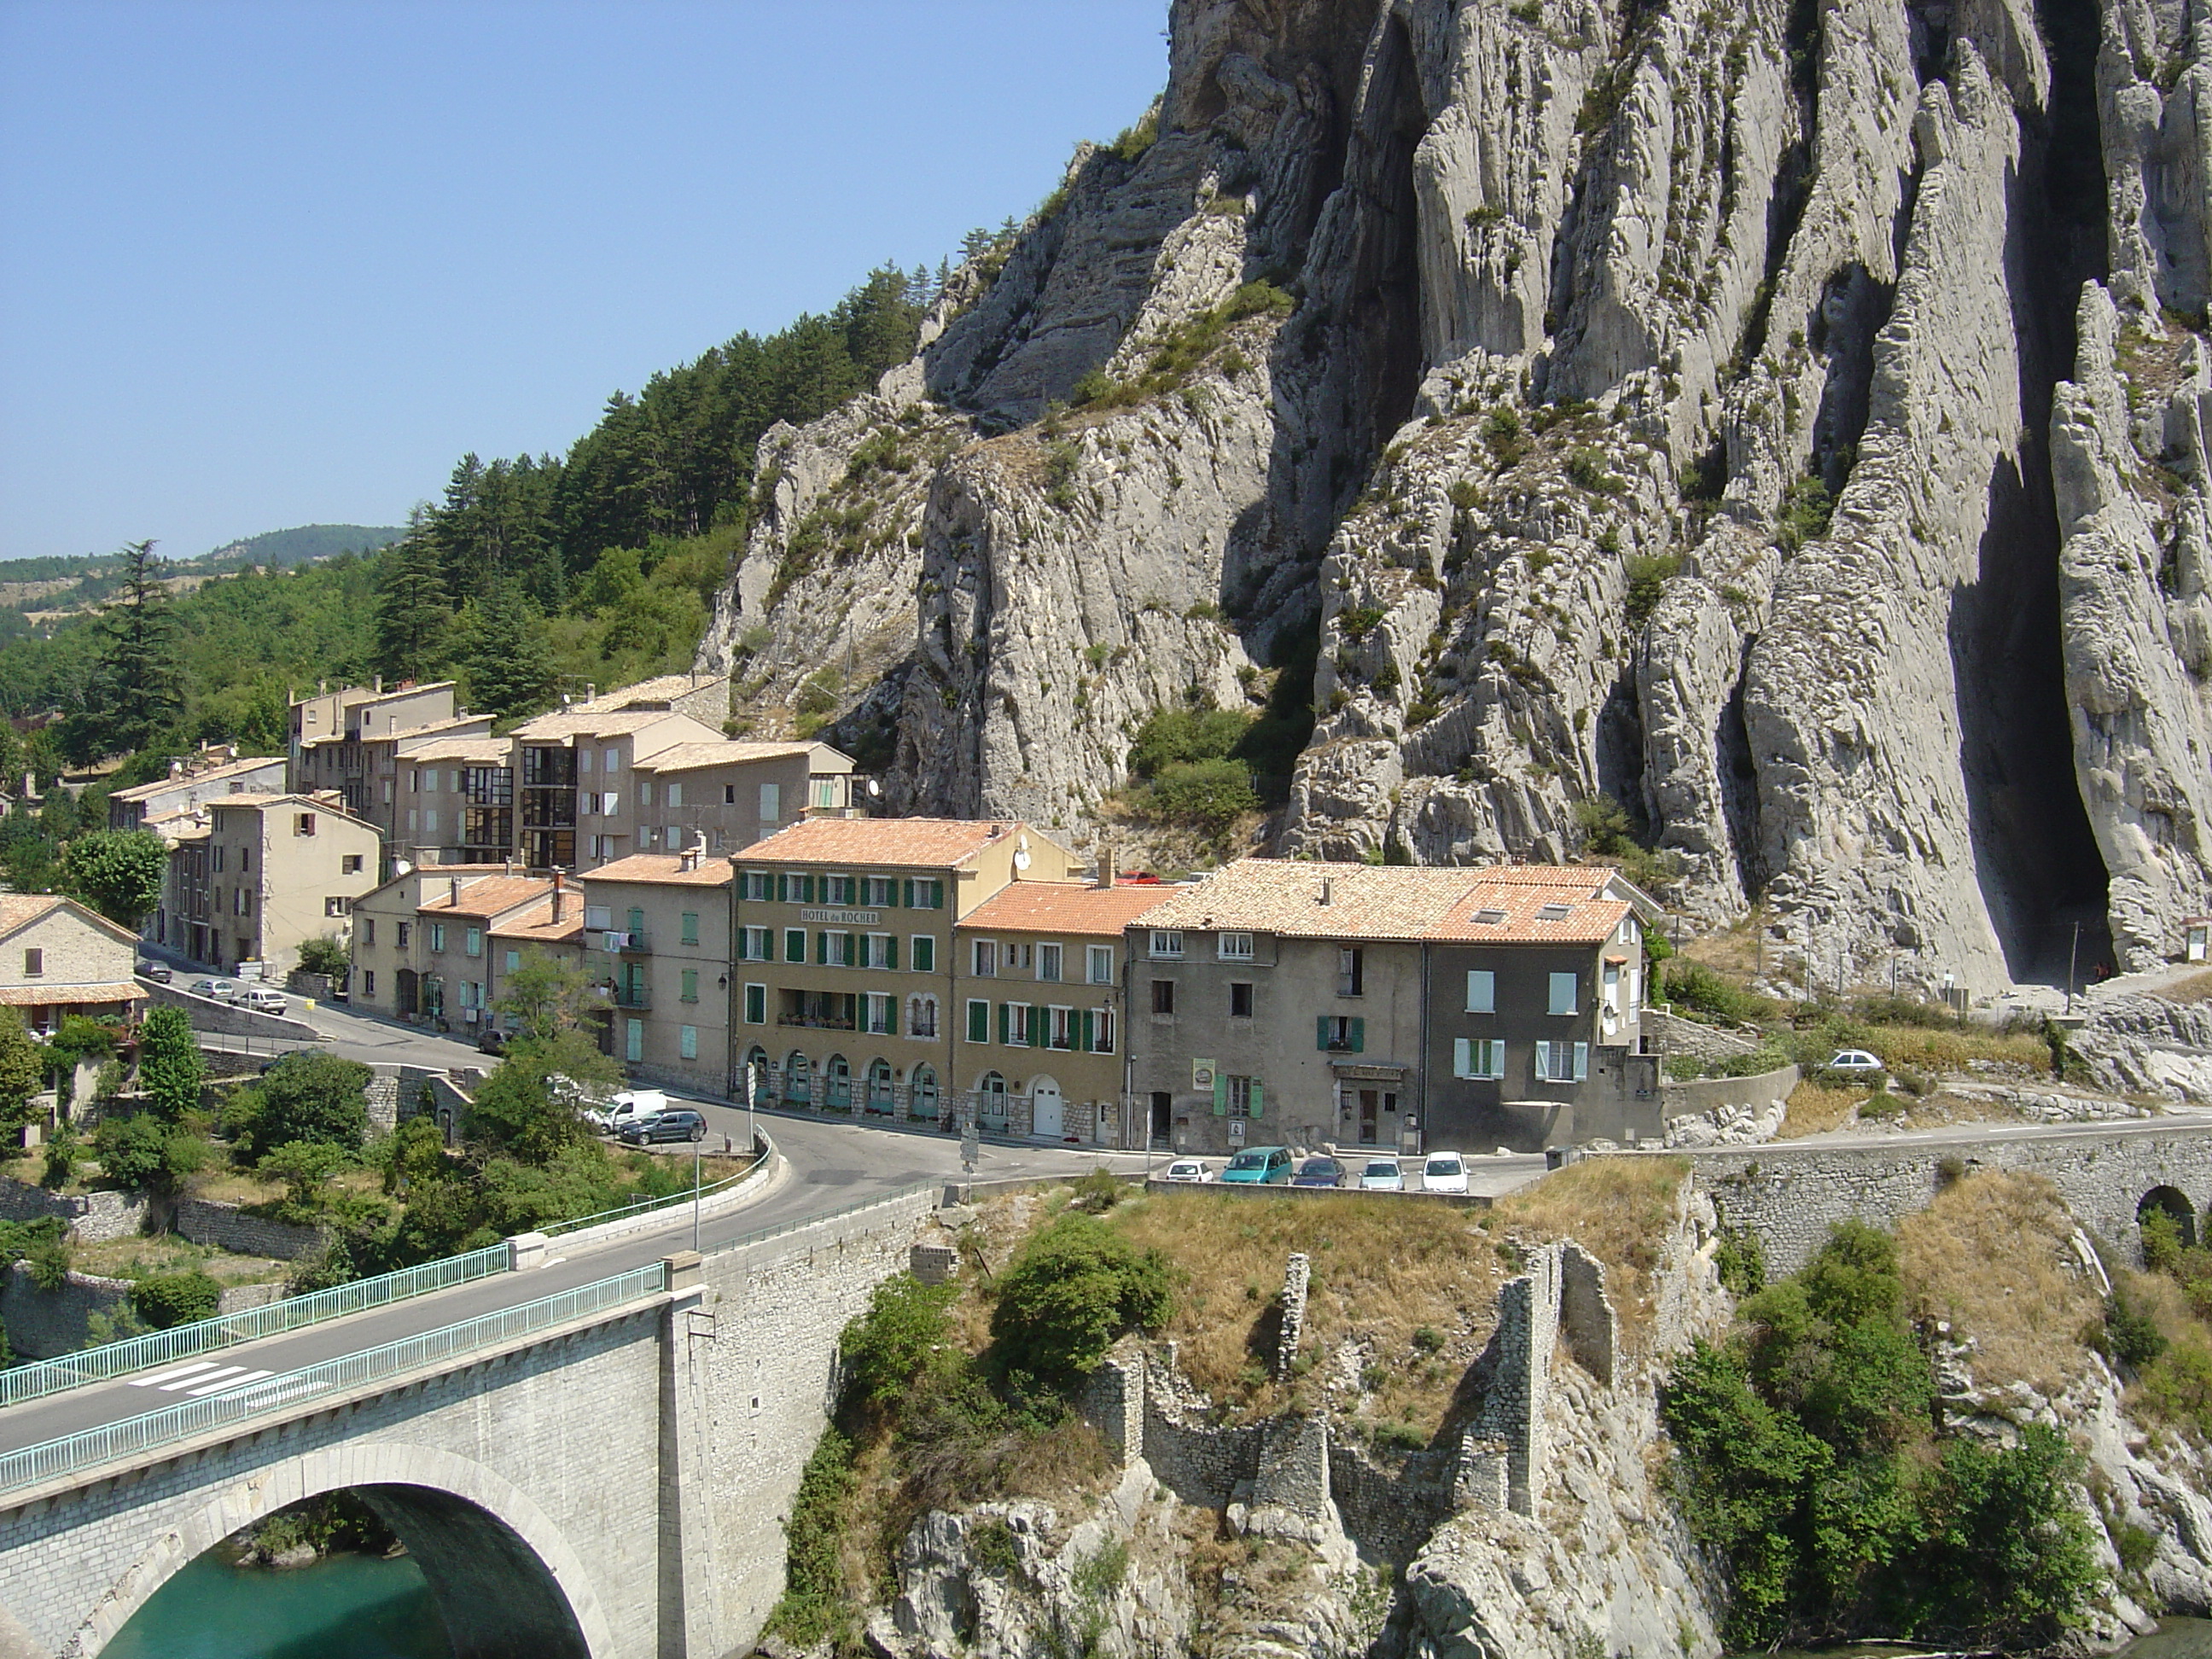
(677,1123)
(160,972)
(1319,1172)
(1191,1169)
(1258,1166)
(626,1108)
(1855,1062)
(491,1040)
(262,999)
(1443,1172)
(1382,1174)
(221,990)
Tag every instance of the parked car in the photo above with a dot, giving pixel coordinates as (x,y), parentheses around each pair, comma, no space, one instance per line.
(222,990)
(1257,1166)
(1192,1170)
(1319,1172)
(160,972)
(262,999)
(1443,1172)
(491,1040)
(1857,1060)
(1382,1174)
(677,1123)
(628,1107)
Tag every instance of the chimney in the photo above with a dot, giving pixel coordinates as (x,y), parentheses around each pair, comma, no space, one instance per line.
(1106,870)
(376,685)
(1327,889)
(176,768)
(455,897)
(560,895)
(510,866)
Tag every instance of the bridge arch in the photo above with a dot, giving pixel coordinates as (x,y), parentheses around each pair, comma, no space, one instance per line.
(505,1581)
(2176,1204)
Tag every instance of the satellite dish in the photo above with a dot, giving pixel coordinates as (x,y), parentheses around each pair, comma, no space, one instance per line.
(400,866)
(1021,857)
(875,788)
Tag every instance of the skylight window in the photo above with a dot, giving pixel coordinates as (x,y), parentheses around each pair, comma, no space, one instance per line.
(1489,918)
(1555,913)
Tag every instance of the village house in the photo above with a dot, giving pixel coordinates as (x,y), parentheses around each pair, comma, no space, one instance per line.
(58,958)
(212,773)
(656,944)
(430,943)
(262,876)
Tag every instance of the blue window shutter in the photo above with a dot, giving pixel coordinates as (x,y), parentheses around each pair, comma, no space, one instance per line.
(1462,1060)
(1255,1096)
(1320,1032)
(1582,1062)
(1220,1094)
(1358,1034)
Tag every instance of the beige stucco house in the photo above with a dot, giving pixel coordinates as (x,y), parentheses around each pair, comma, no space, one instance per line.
(56,957)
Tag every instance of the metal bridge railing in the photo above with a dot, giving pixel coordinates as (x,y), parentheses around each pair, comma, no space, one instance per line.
(225,1330)
(136,1437)
(646,1206)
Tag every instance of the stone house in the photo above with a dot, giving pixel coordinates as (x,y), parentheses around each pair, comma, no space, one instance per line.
(193,783)
(1038,1004)
(350,741)
(57,958)
(554,927)
(734,794)
(657,943)
(572,775)
(453,799)
(427,945)
(265,874)
(844,936)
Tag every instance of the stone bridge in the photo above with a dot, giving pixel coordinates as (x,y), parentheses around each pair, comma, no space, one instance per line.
(1790,1194)
(614,1487)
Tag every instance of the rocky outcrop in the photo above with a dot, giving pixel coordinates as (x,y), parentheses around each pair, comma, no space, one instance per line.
(1641,405)
(2145,1045)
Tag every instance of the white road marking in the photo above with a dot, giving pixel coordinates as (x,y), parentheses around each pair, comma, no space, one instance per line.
(192,1382)
(161,1377)
(223,1385)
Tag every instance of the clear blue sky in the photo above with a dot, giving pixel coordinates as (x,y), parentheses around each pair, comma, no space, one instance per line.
(275,262)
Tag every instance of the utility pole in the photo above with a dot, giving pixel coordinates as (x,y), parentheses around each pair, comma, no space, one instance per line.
(695,1192)
(2073,955)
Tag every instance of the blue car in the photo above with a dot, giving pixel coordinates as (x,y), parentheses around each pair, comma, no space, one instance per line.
(1258,1166)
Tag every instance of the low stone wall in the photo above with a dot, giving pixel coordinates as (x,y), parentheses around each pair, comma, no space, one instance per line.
(45,1324)
(1710,1094)
(206,1014)
(227,1227)
(93,1218)
(1670,1034)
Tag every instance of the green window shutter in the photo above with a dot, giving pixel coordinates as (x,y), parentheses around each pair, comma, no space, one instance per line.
(890,894)
(890,951)
(690,985)
(1255,1096)
(783,887)
(925,954)
(757,1004)
(794,944)
(1582,1062)
(1220,1094)
(908,884)
(1463,1058)
(1320,1032)
(1088,1037)
(979,1021)
(1006,1009)
(1358,1034)
(636,919)
(1038,1016)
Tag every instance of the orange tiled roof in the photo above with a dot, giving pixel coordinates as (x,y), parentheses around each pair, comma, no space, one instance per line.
(16,909)
(664,868)
(490,895)
(900,843)
(698,756)
(536,925)
(1516,913)
(1284,896)
(1062,907)
(47,993)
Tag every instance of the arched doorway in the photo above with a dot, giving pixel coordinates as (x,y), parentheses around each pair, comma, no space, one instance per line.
(754,1071)
(1047,1110)
(991,1101)
(879,1087)
(2175,1204)
(921,1094)
(837,1085)
(798,1078)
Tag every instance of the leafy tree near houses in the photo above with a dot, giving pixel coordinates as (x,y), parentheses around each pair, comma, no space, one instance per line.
(22,1069)
(117,872)
(324,955)
(310,1097)
(544,995)
(171,1071)
(1075,1289)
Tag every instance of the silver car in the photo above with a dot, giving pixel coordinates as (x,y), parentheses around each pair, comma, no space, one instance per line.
(1191,1170)
(222,990)
(1382,1174)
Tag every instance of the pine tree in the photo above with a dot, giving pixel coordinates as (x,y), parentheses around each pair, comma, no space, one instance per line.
(414,619)
(170,1069)
(136,694)
(505,657)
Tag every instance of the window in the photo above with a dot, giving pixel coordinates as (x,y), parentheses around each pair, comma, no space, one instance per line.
(1102,964)
(406,930)
(1167,942)
(924,958)
(471,993)
(1014,1025)
(688,929)
(1481,991)
(1562,1062)
(368,983)
(34,964)
(881,892)
(771,802)
(925,895)
(756,1004)
(303,823)
(334,907)
(879,950)
(472,941)
(437,936)
(1048,963)
(245,859)
(1242,1096)
(583,760)
(430,821)
(1554,912)
(611,761)
(636,921)
(825,792)
(644,793)
(987,958)
(1062,1026)
(1563,992)
(1477,1057)
(880,1014)
(1102,1031)
(369,929)
(690,992)
(215,863)
(1340,1034)
(979,1020)
(599,917)
(794,944)
(687,1041)
(760,886)
(1163,996)
(673,796)
(1240,1000)
(729,795)
(1351,971)
(837,890)
(1235,947)
(633,1041)
(833,948)
(921,1016)
(349,864)
(755,945)
(512,963)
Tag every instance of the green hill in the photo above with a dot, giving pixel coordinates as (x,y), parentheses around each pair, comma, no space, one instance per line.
(304,545)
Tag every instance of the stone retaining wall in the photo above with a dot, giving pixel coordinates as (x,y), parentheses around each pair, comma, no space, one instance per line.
(227,1227)
(1670,1034)
(206,1014)
(93,1218)
(44,1324)
(1711,1093)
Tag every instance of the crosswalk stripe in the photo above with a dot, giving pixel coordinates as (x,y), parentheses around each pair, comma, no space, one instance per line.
(159,1378)
(194,1381)
(223,1385)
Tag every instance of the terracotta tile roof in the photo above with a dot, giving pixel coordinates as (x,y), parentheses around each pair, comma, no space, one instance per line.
(16,909)
(1519,912)
(47,993)
(1062,907)
(581,721)
(404,734)
(536,925)
(665,869)
(698,756)
(482,750)
(193,780)
(660,688)
(1283,895)
(487,895)
(900,843)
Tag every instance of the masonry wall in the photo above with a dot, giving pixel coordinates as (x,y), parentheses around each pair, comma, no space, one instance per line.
(93,1218)
(227,1227)
(206,1014)
(45,1324)
(1710,1093)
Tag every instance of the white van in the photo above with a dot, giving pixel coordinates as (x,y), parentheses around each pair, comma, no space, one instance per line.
(630,1106)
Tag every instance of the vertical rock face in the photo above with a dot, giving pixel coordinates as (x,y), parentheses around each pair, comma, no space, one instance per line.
(1646,403)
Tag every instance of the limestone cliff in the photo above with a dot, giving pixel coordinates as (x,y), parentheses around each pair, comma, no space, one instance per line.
(1643,401)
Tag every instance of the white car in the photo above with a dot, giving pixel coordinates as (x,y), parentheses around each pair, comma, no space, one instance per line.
(1191,1170)
(262,999)
(1443,1172)
(1382,1174)
(630,1106)
(1855,1060)
(222,990)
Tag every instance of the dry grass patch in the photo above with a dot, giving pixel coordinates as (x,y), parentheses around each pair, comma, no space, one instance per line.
(1947,1049)
(1816,1107)
(1734,950)
(2198,987)
(1618,1209)
(1992,1256)
(165,1253)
